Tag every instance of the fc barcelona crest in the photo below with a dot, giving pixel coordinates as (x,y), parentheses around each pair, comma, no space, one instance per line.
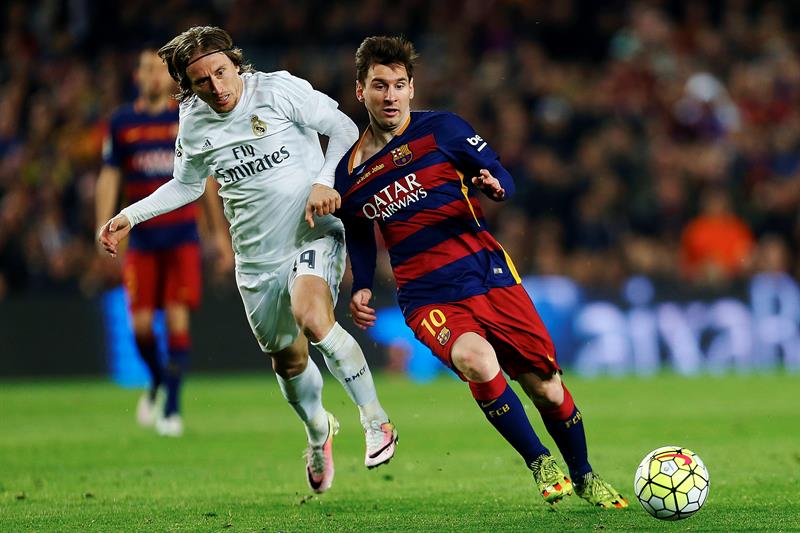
(402,155)
(443,336)
(258,125)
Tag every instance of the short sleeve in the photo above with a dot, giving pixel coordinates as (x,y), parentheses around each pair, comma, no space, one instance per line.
(111,155)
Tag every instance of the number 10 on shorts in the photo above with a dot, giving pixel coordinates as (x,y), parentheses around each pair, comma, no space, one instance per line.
(436,319)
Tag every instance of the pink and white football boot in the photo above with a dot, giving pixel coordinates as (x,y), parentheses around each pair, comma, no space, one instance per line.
(381,443)
(319,460)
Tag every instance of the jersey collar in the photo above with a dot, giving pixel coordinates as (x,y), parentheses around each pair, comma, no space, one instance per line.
(352,157)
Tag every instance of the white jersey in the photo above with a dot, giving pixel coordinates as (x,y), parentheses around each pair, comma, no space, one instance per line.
(265,154)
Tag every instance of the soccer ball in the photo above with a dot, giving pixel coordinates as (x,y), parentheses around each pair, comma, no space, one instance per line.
(671,483)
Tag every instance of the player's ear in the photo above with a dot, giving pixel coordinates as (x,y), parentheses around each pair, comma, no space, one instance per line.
(359,91)
(411,89)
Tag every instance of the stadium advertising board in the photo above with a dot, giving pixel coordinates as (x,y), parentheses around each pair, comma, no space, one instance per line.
(649,326)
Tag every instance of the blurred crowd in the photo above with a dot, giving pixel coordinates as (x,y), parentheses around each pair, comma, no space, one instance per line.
(660,138)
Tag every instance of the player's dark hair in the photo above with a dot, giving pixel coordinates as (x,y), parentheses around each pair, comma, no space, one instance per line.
(384,50)
(178,54)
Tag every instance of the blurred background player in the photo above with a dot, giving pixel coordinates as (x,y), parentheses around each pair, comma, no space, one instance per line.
(162,265)
(457,287)
(257,134)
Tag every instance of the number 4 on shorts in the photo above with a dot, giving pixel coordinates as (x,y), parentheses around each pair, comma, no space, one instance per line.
(308,257)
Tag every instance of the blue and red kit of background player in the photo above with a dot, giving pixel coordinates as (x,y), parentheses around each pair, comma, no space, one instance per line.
(162,264)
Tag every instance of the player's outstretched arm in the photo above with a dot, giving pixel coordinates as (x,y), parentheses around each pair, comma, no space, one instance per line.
(363,315)
(322,200)
(490,185)
(113,232)
(169,196)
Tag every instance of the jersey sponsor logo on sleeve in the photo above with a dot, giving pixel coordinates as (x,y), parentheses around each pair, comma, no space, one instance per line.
(179,149)
(394,197)
(477,141)
(402,155)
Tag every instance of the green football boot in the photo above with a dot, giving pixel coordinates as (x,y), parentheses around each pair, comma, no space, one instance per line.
(599,493)
(550,479)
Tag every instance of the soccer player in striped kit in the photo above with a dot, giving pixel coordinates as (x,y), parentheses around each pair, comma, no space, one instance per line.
(416,174)
(256,133)
(162,267)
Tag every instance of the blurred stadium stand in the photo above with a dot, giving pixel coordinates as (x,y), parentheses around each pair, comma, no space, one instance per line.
(621,122)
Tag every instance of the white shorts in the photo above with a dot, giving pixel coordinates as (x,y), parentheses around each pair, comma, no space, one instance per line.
(267,296)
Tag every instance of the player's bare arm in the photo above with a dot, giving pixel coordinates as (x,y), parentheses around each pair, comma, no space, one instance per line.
(107,193)
(218,228)
(363,315)
(113,232)
(322,200)
(490,185)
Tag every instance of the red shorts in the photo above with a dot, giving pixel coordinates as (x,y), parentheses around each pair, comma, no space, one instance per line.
(155,279)
(504,316)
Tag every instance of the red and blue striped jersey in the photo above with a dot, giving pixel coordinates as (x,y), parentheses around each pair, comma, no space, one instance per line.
(142,147)
(419,190)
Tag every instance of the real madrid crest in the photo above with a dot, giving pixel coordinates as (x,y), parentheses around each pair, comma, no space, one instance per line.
(402,155)
(258,125)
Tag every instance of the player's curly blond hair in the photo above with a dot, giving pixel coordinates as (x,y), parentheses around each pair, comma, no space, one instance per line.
(178,54)
(385,50)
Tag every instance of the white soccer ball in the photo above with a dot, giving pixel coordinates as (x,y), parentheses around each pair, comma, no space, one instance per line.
(671,483)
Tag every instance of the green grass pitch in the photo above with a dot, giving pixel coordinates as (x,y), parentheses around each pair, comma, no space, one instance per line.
(72,458)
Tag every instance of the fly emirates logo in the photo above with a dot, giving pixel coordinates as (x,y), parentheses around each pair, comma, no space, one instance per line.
(394,197)
(250,163)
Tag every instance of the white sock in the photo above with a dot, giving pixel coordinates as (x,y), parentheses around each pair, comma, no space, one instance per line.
(346,362)
(304,394)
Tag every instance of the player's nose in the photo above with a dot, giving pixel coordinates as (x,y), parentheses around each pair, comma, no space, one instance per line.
(216,87)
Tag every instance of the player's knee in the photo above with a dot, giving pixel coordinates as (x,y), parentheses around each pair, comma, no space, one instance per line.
(548,393)
(476,360)
(142,323)
(177,317)
(313,320)
(288,368)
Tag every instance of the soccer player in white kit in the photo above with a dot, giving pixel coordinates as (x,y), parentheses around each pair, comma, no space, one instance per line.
(257,134)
